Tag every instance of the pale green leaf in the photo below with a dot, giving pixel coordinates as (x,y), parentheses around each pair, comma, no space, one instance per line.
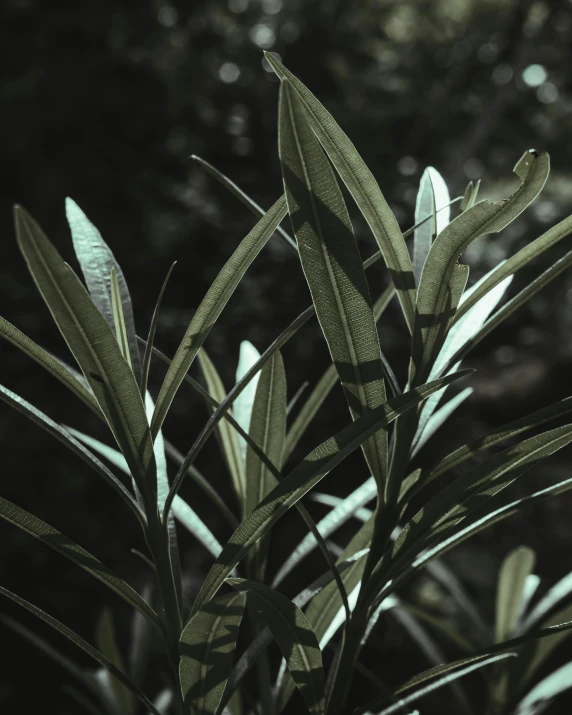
(106,641)
(515,569)
(545,691)
(242,407)
(432,193)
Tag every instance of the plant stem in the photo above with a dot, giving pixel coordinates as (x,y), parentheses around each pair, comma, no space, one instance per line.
(346,662)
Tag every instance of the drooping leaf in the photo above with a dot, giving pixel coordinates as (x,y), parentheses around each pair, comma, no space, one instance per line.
(207,648)
(67,438)
(303,478)
(212,305)
(229,438)
(82,644)
(97,262)
(94,346)
(68,548)
(363,187)
(295,637)
(48,362)
(333,268)
(515,569)
(435,309)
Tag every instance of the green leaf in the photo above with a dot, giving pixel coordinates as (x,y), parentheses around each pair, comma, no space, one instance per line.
(476,487)
(433,192)
(181,510)
(515,303)
(554,596)
(106,641)
(295,637)
(207,648)
(303,478)
(151,337)
(363,187)
(229,438)
(212,305)
(243,198)
(325,385)
(48,362)
(242,407)
(435,309)
(449,677)
(119,319)
(68,440)
(68,548)
(516,262)
(94,346)
(268,430)
(515,569)
(82,644)
(544,692)
(333,268)
(512,429)
(345,510)
(439,418)
(97,263)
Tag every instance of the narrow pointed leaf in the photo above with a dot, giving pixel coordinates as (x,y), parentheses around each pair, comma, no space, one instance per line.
(82,644)
(515,569)
(345,510)
(68,548)
(544,692)
(333,268)
(439,418)
(302,479)
(212,305)
(97,262)
(442,261)
(516,262)
(207,648)
(363,187)
(94,346)
(432,193)
(295,638)
(242,407)
(268,430)
(65,436)
(107,643)
(151,337)
(243,198)
(119,319)
(553,597)
(48,362)
(229,438)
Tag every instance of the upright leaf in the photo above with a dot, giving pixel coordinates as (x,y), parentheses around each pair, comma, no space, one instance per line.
(97,262)
(268,430)
(106,640)
(333,269)
(295,637)
(434,306)
(212,305)
(363,187)
(207,648)
(433,194)
(515,569)
(242,407)
(94,346)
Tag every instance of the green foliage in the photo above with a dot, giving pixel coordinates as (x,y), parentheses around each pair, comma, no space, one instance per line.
(416,513)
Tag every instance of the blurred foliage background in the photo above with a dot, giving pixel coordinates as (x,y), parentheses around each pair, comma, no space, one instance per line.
(105,102)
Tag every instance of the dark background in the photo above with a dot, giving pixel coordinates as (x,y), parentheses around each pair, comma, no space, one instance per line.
(105,102)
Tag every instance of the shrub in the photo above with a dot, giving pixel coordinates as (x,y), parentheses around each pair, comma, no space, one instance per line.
(419,513)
